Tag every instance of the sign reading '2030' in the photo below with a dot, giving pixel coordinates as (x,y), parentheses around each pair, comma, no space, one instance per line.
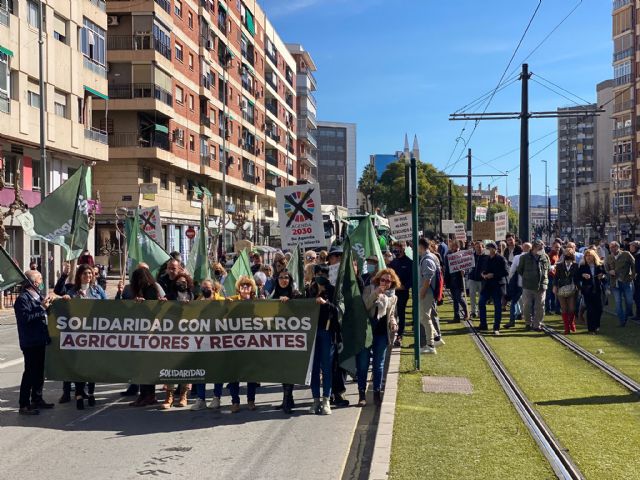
(300,215)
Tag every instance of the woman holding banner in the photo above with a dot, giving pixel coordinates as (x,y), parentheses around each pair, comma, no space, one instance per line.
(284,291)
(380,300)
(83,286)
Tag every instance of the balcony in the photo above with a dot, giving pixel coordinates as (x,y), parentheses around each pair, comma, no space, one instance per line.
(248,147)
(272,135)
(623,80)
(272,160)
(101,4)
(248,177)
(620,3)
(622,132)
(138,139)
(205,121)
(96,135)
(272,107)
(138,42)
(140,90)
(271,81)
(165,4)
(617,56)
(4,16)
(622,158)
(273,56)
(205,160)
(621,106)
(5,103)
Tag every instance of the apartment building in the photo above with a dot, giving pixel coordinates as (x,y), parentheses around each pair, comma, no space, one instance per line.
(337,164)
(199,93)
(75,79)
(306,108)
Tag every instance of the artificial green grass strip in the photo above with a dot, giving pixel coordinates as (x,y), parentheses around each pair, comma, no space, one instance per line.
(594,417)
(453,436)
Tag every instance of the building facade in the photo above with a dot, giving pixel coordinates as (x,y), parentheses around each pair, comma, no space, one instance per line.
(75,79)
(200,93)
(576,161)
(624,197)
(306,110)
(337,164)
(381,161)
(539,216)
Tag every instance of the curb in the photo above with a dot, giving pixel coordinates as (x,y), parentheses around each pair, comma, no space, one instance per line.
(381,457)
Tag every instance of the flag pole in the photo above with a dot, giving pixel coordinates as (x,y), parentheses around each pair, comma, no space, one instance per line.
(44,248)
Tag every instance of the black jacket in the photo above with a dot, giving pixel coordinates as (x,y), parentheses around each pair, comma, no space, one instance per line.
(593,286)
(478,267)
(403,268)
(498,266)
(563,276)
(31,319)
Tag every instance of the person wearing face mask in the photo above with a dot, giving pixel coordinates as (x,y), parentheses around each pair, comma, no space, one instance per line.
(327,338)
(372,270)
(565,290)
(475,278)
(219,275)
(182,291)
(334,259)
(534,269)
(590,277)
(621,267)
(380,300)
(31,319)
(514,287)
(403,266)
(82,287)
(494,280)
(261,279)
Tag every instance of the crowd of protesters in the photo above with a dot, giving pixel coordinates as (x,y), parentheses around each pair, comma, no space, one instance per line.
(523,280)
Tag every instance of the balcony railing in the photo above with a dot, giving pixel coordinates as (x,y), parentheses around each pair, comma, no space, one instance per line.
(165,4)
(140,90)
(96,135)
(5,103)
(272,135)
(248,147)
(138,139)
(271,160)
(138,42)
(620,3)
(622,158)
(270,80)
(205,160)
(617,56)
(94,67)
(248,177)
(205,121)
(273,56)
(4,15)
(272,107)
(624,79)
(622,132)
(101,4)
(621,106)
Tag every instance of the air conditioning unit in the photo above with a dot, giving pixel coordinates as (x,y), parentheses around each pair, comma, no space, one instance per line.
(112,21)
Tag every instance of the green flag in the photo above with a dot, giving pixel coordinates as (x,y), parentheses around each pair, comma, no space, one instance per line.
(240,268)
(296,268)
(142,248)
(364,242)
(198,264)
(356,329)
(63,217)
(10,274)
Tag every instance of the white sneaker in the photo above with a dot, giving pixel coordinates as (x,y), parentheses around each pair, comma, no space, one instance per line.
(428,349)
(325,409)
(215,403)
(199,405)
(496,333)
(438,343)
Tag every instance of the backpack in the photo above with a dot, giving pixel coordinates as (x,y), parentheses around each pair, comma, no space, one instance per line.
(438,290)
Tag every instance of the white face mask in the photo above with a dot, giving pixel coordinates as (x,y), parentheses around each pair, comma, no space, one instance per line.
(84,286)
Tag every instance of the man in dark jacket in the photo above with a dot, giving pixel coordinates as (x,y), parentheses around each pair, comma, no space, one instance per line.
(403,266)
(454,281)
(512,250)
(475,280)
(31,319)
(494,280)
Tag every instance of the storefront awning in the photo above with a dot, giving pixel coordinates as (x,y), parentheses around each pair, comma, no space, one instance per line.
(96,93)
(206,191)
(250,25)
(6,51)
(162,128)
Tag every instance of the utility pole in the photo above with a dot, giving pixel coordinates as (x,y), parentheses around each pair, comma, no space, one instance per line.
(227,59)
(450,200)
(44,250)
(469,192)
(546,193)
(523,227)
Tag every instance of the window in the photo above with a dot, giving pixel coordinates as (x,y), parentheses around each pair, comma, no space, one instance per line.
(192,143)
(191,102)
(179,95)
(59,28)
(191,61)
(179,53)
(35,175)
(179,185)
(178,137)
(190,20)
(9,169)
(177,7)
(93,43)
(164,181)
(33,95)
(60,103)
(162,40)
(146,175)
(5,83)
(32,13)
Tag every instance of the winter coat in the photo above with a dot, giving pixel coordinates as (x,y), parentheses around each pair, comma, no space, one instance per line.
(534,270)
(31,319)
(380,306)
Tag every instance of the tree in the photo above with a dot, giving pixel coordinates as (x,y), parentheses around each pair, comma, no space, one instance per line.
(595,214)
(494,208)
(368,185)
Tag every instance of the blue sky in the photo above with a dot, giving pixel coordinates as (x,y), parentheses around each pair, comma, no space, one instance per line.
(405,65)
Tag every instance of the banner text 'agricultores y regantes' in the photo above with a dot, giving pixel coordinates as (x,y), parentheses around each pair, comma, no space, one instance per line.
(163,342)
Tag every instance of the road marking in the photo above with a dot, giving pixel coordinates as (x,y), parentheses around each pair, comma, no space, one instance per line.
(11,363)
(93,414)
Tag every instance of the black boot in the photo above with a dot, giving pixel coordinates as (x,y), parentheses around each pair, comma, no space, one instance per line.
(377,398)
(339,400)
(287,400)
(362,398)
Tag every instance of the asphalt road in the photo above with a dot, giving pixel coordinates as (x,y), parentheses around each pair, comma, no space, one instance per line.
(115,441)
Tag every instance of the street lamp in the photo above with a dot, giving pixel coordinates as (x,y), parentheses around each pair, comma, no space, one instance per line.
(546,202)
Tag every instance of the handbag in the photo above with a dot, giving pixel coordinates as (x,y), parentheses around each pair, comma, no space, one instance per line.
(567,290)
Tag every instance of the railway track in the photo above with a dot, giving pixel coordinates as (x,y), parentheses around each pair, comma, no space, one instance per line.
(557,456)
(617,375)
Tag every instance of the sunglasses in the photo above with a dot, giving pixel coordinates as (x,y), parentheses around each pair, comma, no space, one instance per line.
(385,280)
(245,287)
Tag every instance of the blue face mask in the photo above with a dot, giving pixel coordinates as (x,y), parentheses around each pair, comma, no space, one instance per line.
(41,287)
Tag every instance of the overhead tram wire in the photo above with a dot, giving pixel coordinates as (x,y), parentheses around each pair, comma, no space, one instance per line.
(495,90)
(561,88)
(556,92)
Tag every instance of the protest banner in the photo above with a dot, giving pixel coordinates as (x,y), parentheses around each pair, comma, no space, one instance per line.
(501,225)
(401,227)
(448,226)
(461,233)
(167,342)
(484,230)
(150,223)
(481,214)
(300,214)
(461,260)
